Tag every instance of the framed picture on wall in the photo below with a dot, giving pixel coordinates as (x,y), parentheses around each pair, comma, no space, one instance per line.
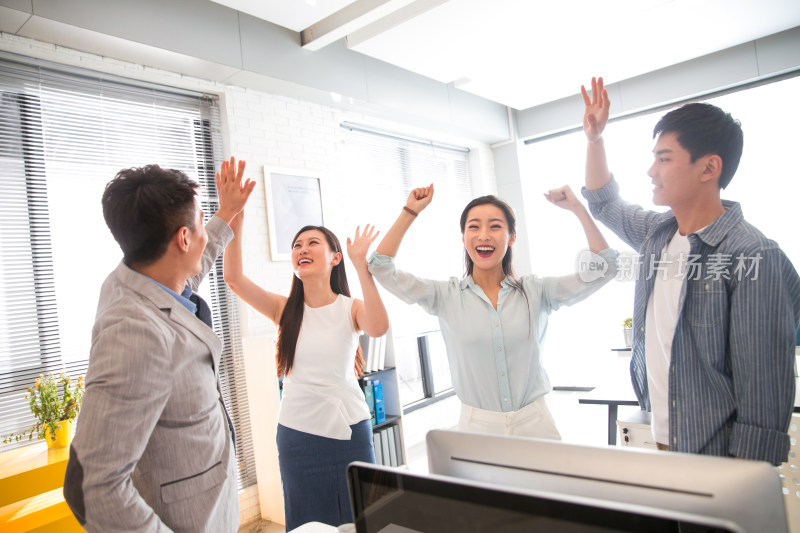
(294,200)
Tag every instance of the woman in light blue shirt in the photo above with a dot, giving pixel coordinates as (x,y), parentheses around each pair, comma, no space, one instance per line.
(492,322)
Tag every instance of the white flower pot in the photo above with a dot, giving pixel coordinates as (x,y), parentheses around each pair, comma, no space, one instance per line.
(628,332)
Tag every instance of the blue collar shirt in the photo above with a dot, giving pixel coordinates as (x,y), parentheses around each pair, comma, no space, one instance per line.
(183,297)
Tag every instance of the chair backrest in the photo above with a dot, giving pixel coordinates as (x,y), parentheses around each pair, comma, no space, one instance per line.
(790,476)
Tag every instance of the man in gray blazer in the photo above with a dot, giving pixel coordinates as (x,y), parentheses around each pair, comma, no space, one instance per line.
(154,450)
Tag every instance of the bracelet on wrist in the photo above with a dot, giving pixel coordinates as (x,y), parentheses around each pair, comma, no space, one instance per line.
(410,211)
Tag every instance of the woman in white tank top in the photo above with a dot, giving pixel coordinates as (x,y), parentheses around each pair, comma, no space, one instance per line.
(323,422)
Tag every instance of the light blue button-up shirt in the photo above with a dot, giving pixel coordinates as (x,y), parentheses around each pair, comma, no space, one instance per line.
(494,354)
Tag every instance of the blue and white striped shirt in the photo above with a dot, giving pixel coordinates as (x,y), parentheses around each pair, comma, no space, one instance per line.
(731,373)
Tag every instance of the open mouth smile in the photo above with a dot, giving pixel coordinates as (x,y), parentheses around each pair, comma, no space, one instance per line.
(484,251)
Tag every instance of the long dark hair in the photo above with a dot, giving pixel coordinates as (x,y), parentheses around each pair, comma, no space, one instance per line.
(292,316)
(508,269)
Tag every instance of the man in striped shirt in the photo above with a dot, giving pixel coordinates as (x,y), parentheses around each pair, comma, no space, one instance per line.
(716,303)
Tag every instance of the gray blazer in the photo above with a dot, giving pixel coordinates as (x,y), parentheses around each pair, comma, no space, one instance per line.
(152,449)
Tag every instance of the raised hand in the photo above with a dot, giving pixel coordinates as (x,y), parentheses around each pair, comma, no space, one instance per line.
(370,315)
(595,116)
(358,247)
(419,198)
(233,194)
(564,198)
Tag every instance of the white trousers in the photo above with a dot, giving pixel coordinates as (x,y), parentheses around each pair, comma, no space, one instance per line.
(533,420)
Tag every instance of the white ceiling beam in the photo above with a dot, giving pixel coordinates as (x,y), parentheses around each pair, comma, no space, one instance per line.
(348,19)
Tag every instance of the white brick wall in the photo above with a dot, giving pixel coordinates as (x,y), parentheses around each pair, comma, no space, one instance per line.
(266,129)
(249,510)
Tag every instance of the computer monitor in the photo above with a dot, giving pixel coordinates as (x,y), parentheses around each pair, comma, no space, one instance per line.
(392,500)
(746,495)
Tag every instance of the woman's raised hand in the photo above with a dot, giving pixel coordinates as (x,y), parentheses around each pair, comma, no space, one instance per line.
(419,198)
(564,198)
(358,247)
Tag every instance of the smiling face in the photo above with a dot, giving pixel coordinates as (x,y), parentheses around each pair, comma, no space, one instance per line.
(487,237)
(675,177)
(312,255)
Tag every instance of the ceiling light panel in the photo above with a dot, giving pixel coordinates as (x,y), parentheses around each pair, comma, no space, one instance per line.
(523,53)
(293,14)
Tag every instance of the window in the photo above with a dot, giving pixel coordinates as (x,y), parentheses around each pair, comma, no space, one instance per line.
(436,382)
(63,136)
(765,184)
(387,167)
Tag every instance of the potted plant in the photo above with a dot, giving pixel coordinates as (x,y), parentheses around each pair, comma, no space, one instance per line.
(627,330)
(54,411)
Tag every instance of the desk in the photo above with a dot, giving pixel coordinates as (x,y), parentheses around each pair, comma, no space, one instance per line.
(31,498)
(621,394)
(613,397)
(31,470)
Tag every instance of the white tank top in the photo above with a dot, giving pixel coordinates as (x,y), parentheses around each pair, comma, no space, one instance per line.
(321,395)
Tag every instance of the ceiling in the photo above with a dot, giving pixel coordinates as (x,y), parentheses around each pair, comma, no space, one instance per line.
(522,53)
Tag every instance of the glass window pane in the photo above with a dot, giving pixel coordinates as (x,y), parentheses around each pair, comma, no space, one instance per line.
(439,365)
(408,369)
(579,336)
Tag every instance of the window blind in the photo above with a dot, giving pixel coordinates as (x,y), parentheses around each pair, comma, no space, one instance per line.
(63,136)
(387,167)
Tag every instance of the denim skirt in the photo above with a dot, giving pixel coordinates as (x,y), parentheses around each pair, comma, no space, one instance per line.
(314,473)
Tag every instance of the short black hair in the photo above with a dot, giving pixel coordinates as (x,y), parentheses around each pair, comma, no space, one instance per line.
(144,207)
(703,129)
